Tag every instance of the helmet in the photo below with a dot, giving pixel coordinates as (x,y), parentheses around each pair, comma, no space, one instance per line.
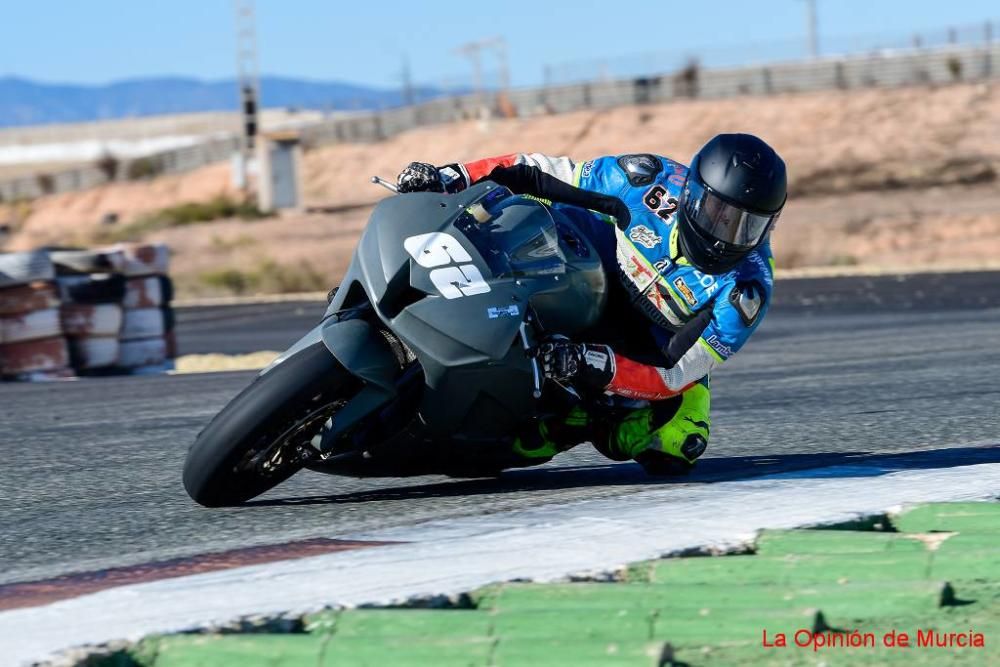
(733,194)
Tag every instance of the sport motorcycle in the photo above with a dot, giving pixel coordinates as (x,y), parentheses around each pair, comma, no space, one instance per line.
(422,361)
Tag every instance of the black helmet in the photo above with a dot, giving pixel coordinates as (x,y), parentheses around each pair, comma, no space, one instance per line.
(734,191)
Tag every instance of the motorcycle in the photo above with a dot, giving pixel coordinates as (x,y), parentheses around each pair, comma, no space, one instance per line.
(421,363)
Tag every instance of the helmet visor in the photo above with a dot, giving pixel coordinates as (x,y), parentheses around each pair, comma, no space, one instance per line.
(722,221)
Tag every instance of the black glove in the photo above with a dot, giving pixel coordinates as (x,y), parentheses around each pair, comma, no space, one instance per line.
(420,177)
(423,177)
(584,366)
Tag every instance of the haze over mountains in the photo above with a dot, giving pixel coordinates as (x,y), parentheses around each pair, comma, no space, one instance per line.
(25,102)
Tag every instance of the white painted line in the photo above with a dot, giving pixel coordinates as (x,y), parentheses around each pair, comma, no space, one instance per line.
(449,557)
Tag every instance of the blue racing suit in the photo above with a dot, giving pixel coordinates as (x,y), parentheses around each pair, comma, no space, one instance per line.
(697,320)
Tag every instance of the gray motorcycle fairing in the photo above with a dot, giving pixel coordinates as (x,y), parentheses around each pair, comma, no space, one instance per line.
(479,381)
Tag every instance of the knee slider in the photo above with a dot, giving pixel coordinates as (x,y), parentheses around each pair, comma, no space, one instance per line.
(660,464)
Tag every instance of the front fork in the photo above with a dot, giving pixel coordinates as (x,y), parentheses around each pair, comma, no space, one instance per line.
(536,371)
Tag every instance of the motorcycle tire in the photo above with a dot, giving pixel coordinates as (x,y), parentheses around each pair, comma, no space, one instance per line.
(299,393)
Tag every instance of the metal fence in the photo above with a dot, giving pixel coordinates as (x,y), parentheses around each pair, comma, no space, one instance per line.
(109,169)
(753,54)
(895,68)
(889,68)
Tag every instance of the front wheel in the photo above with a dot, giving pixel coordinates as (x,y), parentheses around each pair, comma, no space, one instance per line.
(262,437)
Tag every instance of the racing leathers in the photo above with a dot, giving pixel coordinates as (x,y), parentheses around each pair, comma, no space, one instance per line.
(657,362)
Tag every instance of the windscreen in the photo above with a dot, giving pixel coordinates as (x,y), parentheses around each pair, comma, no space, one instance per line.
(515,235)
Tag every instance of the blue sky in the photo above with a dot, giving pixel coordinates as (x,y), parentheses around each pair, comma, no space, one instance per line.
(105,40)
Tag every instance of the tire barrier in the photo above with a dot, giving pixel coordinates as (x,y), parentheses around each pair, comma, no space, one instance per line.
(94,352)
(142,353)
(142,323)
(169,319)
(69,262)
(171,344)
(46,355)
(30,326)
(143,292)
(98,312)
(145,260)
(81,319)
(27,298)
(22,268)
(94,288)
(148,318)
(166,288)
(32,345)
(92,331)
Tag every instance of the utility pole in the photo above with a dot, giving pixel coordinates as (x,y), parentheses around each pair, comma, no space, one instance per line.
(408,97)
(473,51)
(812,29)
(500,48)
(249,84)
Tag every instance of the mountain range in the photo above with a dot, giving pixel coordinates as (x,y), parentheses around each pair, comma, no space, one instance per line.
(26,102)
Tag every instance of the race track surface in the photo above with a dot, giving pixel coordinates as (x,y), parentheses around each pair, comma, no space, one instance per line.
(840,370)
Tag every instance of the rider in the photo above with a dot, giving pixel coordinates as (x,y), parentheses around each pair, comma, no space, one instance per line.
(691,248)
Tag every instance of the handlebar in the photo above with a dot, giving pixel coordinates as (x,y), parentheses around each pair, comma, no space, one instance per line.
(388,185)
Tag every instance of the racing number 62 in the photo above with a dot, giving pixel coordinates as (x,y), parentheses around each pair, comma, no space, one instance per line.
(438,249)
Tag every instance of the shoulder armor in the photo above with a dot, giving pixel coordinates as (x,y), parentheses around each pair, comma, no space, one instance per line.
(640,169)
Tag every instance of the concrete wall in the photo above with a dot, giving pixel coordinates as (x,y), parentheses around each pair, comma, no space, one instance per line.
(891,68)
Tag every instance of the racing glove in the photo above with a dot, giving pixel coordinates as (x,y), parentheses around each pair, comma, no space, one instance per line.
(424,177)
(581,365)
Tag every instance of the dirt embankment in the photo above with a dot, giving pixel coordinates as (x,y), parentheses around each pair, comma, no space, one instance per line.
(882,178)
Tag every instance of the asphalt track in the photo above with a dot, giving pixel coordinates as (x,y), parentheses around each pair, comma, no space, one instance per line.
(841,370)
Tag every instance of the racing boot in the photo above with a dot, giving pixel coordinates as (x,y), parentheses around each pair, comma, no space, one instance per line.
(554,435)
(665,438)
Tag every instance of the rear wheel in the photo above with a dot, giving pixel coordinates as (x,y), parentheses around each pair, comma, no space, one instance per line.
(262,437)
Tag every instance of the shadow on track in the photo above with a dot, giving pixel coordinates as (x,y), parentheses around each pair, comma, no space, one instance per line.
(818,465)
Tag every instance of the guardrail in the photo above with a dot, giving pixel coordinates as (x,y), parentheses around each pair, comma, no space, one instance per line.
(944,65)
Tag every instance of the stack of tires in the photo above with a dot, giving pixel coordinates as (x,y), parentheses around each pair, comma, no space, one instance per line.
(147,334)
(92,289)
(32,345)
(103,311)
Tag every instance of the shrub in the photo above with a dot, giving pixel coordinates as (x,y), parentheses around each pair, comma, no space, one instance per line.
(143,168)
(46,183)
(230,280)
(284,278)
(188,213)
(216,209)
(108,165)
(955,68)
(267,277)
